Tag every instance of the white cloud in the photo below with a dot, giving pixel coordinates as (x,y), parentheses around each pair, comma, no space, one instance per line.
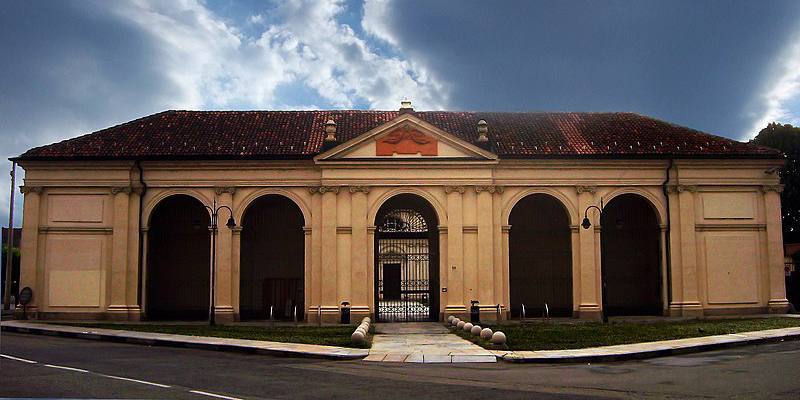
(217,66)
(782,89)
(376,15)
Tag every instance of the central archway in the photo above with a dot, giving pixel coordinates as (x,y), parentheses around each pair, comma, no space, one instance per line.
(406,260)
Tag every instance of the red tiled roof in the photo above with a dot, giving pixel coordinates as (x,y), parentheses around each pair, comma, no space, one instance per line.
(299,135)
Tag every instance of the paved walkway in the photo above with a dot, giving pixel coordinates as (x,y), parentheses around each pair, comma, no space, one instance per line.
(423,342)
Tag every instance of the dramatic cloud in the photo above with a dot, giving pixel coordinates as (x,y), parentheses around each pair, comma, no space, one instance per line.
(780,101)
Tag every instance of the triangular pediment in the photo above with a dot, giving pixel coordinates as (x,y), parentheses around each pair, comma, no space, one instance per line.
(406,137)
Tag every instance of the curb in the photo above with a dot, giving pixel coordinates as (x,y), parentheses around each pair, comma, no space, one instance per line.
(661,349)
(120,336)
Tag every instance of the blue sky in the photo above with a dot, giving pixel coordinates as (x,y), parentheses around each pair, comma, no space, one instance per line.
(71,67)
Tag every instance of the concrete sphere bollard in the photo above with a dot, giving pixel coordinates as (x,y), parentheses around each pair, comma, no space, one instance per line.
(454,322)
(450,319)
(486,334)
(367,319)
(460,324)
(357,337)
(467,327)
(362,329)
(476,330)
(498,338)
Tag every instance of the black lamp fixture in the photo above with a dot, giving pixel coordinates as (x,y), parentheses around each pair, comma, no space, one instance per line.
(214,209)
(586,224)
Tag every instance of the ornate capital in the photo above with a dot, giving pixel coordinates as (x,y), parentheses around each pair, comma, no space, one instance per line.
(323,189)
(586,189)
(451,189)
(359,189)
(224,189)
(772,188)
(687,188)
(490,188)
(121,189)
(30,189)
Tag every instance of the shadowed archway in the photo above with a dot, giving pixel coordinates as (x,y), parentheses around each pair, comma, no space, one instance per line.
(631,257)
(540,257)
(178,260)
(272,265)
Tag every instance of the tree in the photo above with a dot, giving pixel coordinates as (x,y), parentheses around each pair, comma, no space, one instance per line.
(786,138)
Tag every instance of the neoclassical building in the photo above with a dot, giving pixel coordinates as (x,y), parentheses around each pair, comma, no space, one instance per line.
(405,215)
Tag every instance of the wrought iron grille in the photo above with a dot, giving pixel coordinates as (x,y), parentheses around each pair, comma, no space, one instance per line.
(403,268)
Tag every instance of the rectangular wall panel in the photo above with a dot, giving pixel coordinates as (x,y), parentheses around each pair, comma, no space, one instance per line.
(732,266)
(74,270)
(728,205)
(75,208)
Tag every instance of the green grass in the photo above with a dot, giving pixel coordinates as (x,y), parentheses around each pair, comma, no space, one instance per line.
(549,336)
(325,335)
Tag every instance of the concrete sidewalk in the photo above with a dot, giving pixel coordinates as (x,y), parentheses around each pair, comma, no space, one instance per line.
(197,342)
(423,342)
(650,349)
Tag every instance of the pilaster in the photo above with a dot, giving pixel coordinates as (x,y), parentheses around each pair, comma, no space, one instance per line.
(31,273)
(118,308)
(486,273)
(690,304)
(223,305)
(589,307)
(772,210)
(359,266)
(344,232)
(328,238)
(455,250)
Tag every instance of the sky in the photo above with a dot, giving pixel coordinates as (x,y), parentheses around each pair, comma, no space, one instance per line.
(72,67)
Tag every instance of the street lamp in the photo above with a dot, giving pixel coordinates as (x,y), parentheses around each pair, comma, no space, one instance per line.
(214,209)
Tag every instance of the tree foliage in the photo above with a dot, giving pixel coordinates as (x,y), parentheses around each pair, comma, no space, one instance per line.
(786,138)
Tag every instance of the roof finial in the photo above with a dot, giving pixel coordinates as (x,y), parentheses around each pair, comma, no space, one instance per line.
(483,130)
(330,130)
(405,106)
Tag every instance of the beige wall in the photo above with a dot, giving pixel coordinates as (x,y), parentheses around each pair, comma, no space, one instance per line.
(81,228)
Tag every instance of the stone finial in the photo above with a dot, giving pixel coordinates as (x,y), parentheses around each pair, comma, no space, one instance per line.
(483,130)
(405,107)
(330,131)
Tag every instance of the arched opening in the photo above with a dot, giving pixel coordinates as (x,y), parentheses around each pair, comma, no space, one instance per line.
(272,265)
(178,260)
(631,257)
(540,258)
(406,260)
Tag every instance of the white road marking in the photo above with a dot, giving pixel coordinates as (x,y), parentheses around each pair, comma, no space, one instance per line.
(66,368)
(17,359)
(135,380)
(219,396)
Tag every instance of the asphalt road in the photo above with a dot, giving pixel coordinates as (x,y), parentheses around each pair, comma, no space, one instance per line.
(60,367)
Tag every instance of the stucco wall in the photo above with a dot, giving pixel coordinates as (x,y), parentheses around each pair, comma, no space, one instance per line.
(81,228)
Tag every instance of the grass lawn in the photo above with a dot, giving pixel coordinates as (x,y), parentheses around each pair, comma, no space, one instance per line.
(325,335)
(549,336)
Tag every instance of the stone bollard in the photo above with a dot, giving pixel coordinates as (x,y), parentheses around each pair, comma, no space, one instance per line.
(455,321)
(486,334)
(467,327)
(359,336)
(498,339)
(460,324)
(450,319)
(476,330)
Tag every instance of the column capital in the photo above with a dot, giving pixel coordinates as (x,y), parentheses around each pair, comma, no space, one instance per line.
(225,189)
(771,188)
(121,190)
(452,189)
(30,189)
(489,188)
(586,189)
(323,189)
(687,188)
(359,189)
(505,228)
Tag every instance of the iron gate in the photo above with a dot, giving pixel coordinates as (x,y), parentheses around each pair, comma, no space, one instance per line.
(405,284)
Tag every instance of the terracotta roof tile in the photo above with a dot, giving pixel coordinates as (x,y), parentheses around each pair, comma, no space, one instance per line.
(299,135)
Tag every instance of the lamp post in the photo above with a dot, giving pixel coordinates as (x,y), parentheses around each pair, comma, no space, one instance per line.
(214,209)
(586,224)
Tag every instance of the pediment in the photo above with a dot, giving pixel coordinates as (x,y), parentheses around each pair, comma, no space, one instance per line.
(406,137)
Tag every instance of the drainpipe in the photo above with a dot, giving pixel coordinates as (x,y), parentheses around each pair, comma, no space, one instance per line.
(141,233)
(667,239)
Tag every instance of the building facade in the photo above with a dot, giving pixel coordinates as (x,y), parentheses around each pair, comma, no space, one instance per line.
(404,215)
